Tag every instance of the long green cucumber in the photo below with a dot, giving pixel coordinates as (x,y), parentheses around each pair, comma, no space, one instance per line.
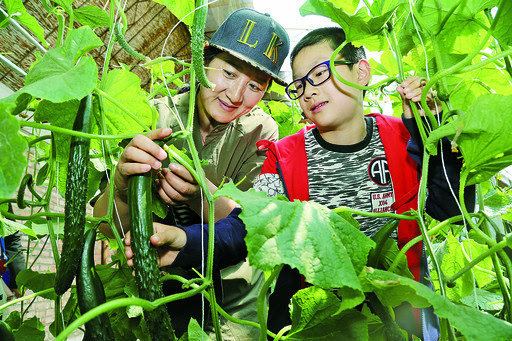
(145,257)
(76,197)
(91,294)
(380,239)
(118,31)
(197,43)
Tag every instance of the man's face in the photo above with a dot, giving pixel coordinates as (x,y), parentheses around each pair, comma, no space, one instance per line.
(238,88)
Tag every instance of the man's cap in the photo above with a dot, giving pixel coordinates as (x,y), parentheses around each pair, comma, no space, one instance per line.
(255,38)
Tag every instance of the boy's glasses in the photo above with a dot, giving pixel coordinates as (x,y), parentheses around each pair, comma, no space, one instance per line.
(316,76)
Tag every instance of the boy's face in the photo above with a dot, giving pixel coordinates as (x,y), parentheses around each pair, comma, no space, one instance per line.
(331,105)
(238,88)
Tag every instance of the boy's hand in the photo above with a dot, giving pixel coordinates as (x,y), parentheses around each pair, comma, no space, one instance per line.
(411,89)
(168,240)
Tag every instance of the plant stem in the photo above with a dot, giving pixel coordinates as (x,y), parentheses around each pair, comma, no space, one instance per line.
(73,132)
(125,302)
(25,298)
(403,216)
(262,298)
(157,90)
(433,231)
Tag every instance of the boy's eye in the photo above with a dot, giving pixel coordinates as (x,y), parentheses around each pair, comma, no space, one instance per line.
(298,86)
(320,73)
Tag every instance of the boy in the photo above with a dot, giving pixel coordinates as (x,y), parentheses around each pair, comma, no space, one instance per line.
(349,159)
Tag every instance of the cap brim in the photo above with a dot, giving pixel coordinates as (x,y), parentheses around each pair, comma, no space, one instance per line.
(251,62)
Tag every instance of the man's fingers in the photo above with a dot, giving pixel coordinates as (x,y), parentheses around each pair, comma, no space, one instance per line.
(182,172)
(158,134)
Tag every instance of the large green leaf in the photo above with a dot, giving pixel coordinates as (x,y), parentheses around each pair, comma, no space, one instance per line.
(31,329)
(12,150)
(455,259)
(485,140)
(313,318)
(58,77)
(357,27)
(475,325)
(323,246)
(180,9)
(124,87)
(36,281)
(92,16)
(16,6)
(433,13)
(504,25)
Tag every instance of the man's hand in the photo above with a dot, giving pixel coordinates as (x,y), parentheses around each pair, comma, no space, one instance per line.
(168,240)
(177,185)
(139,156)
(411,89)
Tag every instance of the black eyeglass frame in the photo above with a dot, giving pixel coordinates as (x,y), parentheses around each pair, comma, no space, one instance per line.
(303,80)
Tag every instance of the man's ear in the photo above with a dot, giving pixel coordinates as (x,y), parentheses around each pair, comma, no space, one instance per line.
(365,73)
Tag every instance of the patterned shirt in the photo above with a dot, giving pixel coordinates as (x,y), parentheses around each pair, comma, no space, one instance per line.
(355,176)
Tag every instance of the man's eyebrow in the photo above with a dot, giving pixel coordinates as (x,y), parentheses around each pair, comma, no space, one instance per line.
(241,66)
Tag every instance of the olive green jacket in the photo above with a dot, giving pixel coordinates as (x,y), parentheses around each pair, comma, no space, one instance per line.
(232,156)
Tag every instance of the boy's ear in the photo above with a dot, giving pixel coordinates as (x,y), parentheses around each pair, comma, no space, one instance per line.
(365,73)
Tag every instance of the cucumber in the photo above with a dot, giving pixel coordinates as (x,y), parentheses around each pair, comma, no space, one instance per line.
(197,42)
(118,31)
(145,258)
(76,197)
(91,294)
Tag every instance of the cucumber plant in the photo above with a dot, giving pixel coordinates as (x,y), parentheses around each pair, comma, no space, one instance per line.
(462,47)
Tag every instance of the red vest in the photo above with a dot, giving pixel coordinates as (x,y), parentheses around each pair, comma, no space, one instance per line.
(287,158)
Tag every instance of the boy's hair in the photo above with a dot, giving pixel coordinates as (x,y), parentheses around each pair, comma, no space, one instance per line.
(334,36)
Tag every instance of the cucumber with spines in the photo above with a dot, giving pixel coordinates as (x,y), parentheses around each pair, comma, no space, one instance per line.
(197,43)
(145,257)
(76,199)
(118,31)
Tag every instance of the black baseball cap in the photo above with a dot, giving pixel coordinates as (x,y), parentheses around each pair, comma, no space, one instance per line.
(255,38)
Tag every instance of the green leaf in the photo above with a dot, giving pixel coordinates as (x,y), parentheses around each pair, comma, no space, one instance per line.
(485,144)
(180,9)
(475,325)
(314,318)
(92,16)
(11,227)
(194,332)
(16,7)
(57,76)
(357,27)
(12,160)
(454,260)
(303,235)
(124,87)
(497,203)
(31,329)
(488,301)
(504,25)
(58,80)
(36,282)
